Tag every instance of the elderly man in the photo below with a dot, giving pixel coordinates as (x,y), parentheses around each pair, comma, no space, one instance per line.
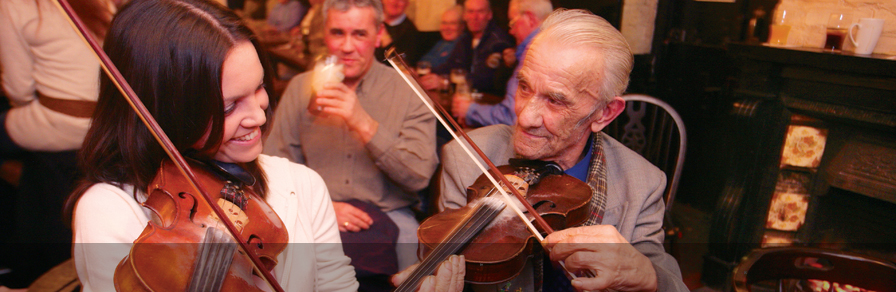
(569,89)
(451,26)
(525,17)
(478,51)
(369,137)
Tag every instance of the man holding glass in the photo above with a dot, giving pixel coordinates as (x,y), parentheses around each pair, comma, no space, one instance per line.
(369,137)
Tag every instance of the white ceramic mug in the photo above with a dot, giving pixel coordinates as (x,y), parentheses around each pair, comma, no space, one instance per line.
(869,32)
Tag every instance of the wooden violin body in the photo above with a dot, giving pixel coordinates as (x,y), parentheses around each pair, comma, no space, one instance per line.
(182,245)
(500,251)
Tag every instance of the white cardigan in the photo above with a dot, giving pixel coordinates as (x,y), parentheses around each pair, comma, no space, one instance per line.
(40,51)
(108,219)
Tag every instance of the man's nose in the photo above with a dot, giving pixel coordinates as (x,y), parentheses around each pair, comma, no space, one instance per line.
(347,45)
(529,113)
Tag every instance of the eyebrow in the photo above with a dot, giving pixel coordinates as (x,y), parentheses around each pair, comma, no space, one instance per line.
(559,96)
(260,85)
(354,31)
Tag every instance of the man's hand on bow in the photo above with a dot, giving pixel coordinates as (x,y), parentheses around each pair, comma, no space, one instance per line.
(601,249)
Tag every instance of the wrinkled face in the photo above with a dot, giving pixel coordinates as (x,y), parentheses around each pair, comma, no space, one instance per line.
(244,103)
(451,25)
(554,114)
(394,8)
(477,13)
(353,36)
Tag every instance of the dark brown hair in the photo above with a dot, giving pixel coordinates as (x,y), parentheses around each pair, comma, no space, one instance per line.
(172,53)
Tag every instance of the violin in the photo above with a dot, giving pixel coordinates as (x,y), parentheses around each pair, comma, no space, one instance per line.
(185,211)
(499,252)
(468,223)
(180,220)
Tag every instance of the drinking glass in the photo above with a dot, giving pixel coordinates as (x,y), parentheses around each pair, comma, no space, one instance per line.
(780,27)
(458,76)
(838,23)
(423,68)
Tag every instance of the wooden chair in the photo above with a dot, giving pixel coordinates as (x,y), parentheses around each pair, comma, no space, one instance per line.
(805,263)
(654,129)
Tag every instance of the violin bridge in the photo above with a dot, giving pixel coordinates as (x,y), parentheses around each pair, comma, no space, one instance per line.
(234,213)
(518,183)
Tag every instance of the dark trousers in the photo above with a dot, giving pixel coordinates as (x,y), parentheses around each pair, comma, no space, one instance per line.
(35,237)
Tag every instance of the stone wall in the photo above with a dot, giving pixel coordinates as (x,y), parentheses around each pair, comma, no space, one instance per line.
(638,18)
(809,30)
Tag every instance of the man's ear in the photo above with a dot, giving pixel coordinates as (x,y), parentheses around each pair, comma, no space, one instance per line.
(608,113)
(531,16)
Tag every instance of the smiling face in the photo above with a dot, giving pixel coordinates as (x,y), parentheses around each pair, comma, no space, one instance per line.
(556,109)
(245,101)
(353,36)
(451,25)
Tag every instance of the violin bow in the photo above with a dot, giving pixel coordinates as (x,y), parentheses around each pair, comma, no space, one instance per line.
(125,88)
(454,129)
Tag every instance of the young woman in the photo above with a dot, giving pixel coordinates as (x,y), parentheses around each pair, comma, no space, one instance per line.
(196,67)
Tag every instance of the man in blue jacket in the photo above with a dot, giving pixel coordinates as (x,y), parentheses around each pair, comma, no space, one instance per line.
(478,51)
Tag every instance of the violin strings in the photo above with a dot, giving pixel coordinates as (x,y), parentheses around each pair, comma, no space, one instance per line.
(215,256)
(447,247)
(480,217)
(484,212)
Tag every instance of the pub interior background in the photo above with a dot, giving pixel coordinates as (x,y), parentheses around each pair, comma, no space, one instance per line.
(739,100)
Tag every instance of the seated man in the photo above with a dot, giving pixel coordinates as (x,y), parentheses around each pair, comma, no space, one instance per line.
(450,28)
(369,136)
(569,89)
(478,51)
(401,33)
(525,17)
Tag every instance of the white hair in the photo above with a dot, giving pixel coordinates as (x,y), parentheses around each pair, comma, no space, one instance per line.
(583,29)
(540,8)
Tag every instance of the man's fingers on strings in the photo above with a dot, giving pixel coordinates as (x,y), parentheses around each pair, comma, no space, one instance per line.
(397,279)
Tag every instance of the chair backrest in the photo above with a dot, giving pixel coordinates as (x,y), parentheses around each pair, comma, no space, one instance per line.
(654,129)
(806,263)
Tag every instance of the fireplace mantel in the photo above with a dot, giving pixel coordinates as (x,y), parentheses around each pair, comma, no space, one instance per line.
(849,100)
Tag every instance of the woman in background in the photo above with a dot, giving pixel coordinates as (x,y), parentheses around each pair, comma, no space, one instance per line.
(51,80)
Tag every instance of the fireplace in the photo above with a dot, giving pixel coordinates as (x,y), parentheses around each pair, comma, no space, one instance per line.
(812,157)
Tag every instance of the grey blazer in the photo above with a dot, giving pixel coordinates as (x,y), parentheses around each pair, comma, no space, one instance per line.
(634,193)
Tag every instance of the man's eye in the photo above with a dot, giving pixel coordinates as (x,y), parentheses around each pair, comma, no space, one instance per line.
(523,88)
